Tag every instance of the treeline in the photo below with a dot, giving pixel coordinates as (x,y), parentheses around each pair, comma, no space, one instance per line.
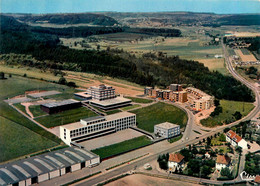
(166,70)
(95,19)
(166,32)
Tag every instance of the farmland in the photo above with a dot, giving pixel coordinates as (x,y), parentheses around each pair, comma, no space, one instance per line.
(157,113)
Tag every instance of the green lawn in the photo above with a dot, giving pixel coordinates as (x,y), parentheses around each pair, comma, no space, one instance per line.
(122,147)
(130,107)
(20,107)
(172,140)
(140,100)
(36,110)
(157,113)
(112,111)
(68,116)
(229,108)
(16,140)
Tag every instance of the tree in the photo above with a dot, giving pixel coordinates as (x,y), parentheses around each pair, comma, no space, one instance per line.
(237,115)
(222,137)
(98,47)
(226,130)
(208,141)
(239,150)
(186,153)
(10,75)
(62,81)
(205,171)
(216,102)
(2,75)
(226,172)
(71,84)
(25,75)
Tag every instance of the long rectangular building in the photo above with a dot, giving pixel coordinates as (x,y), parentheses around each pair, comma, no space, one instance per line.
(96,126)
(44,167)
(59,106)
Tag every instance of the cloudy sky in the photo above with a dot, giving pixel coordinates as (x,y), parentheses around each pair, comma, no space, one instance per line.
(66,6)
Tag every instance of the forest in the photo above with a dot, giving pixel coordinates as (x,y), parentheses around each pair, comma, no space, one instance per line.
(167,70)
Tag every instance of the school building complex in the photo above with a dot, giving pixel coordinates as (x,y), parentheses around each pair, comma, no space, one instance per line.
(96,126)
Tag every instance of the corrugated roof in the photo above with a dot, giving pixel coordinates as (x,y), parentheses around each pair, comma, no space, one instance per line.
(16,171)
(60,103)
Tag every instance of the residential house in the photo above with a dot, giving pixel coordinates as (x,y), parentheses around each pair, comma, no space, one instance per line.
(235,139)
(222,162)
(176,161)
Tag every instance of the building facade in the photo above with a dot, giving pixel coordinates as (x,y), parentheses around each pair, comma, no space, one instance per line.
(176,161)
(59,106)
(101,92)
(96,126)
(199,100)
(235,140)
(167,130)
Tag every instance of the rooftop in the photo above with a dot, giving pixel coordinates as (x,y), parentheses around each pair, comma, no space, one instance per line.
(16,171)
(177,157)
(60,103)
(109,102)
(101,87)
(222,159)
(83,94)
(232,135)
(93,118)
(167,125)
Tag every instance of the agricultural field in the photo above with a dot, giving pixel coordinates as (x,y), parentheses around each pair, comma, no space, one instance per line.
(65,117)
(9,117)
(157,113)
(245,55)
(121,147)
(214,64)
(229,108)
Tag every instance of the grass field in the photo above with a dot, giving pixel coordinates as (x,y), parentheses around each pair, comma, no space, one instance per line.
(20,107)
(36,110)
(157,113)
(214,64)
(140,100)
(16,140)
(130,107)
(229,108)
(112,111)
(68,116)
(245,51)
(12,87)
(122,147)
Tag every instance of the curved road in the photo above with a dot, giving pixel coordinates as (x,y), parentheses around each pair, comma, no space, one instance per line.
(173,148)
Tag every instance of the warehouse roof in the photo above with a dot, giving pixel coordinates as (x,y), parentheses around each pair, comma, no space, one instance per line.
(14,172)
(113,101)
(60,103)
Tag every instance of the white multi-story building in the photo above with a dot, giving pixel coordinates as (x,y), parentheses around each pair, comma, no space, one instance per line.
(96,126)
(235,139)
(167,129)
(101,92)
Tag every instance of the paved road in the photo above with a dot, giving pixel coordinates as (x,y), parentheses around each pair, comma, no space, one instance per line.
(141,162)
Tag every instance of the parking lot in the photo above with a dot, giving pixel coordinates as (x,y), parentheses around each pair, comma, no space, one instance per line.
(110,139)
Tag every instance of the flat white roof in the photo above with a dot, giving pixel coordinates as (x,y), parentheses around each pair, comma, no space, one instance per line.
(167,125)
(83,94)
(109,102)
(60,103)
(73,126)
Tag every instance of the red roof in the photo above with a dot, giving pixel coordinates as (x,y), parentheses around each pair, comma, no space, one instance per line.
(257,179)
(177,157)
(231,134)
(222,159)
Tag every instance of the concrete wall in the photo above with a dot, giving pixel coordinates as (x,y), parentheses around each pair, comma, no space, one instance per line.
(96,160)
(43,177)
(28,181)
(54,174)
(22,183)
(87,163)
(75,167)
(62,171)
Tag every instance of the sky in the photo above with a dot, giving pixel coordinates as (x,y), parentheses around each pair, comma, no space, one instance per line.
(75,6)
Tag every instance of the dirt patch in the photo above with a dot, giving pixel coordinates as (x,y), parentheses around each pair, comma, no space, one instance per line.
(138,179)
(203,115)
(246,58)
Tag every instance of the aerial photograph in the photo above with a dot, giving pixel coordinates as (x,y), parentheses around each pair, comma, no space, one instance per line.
(129,92)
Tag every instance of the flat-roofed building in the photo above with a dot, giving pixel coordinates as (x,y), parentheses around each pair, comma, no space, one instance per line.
(46,166)
(199,100)
(167,130)
(83,95)
(59,106)
(96,126)
(101,92)
(111,103)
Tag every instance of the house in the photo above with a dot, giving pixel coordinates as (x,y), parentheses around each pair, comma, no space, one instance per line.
(207,155)
(167,130)
(176,161)
(222,162)
(235,139)
(257,180)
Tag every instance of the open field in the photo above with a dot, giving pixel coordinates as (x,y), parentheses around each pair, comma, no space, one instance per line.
(214,64)
(130,107)
(139,100)
(122,147)
(245,56)
(157,113)
(65,117)
(229,108)
(16,140)
(36,110)
(12,87)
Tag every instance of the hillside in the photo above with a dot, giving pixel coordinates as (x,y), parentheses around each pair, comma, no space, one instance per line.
(86,18)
